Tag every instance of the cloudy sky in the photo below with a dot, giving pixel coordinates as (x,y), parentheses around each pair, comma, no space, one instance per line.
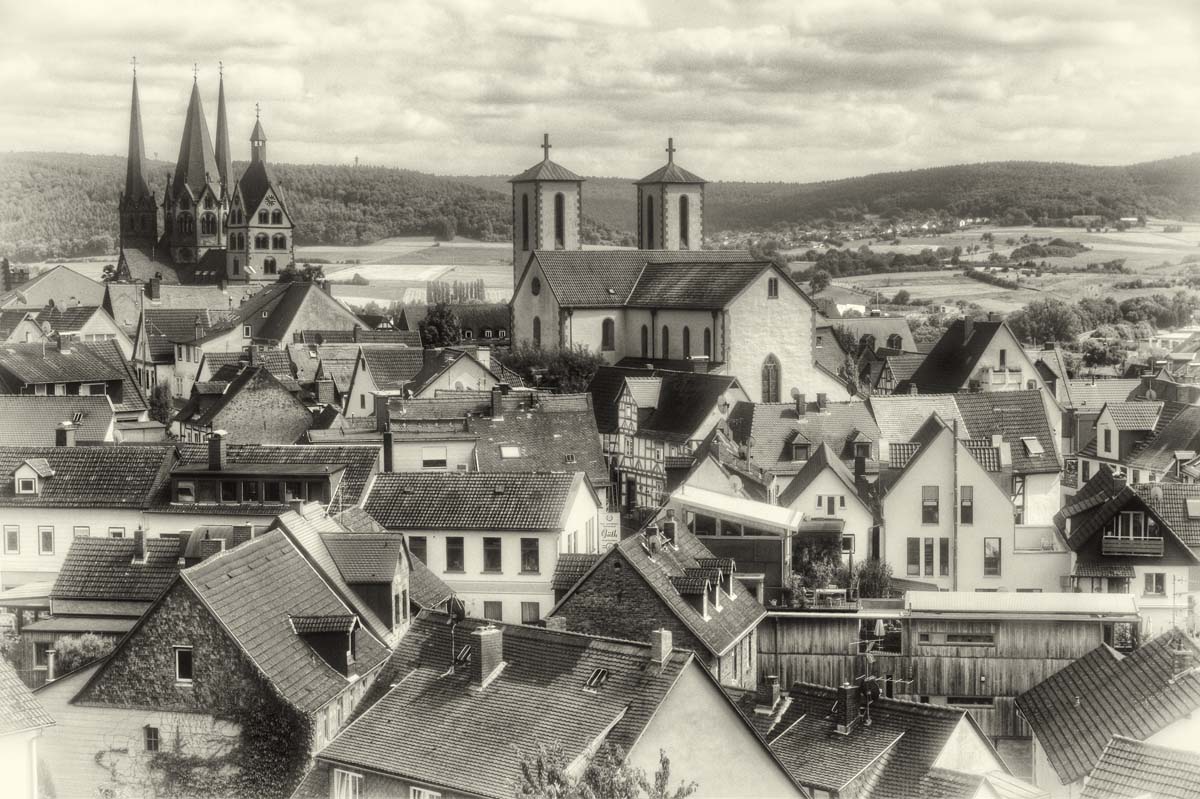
(799,90)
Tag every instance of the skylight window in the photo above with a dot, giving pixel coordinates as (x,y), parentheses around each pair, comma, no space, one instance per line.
(570,458)
(464,655)
(507,452)
(1032,445)
(596,680)
(1193,508)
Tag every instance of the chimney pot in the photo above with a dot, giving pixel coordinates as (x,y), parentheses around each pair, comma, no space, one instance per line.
(801,404)
(51,663)
(487,653)
(767,695)
(64,436)
(217,451)
(660,646)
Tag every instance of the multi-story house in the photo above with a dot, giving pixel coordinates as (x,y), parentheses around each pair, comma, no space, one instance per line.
(84,323)
(460,709)
(255,633)
(826,489)
(1135,539)
(69,368)
(665,578)
(948,517)
(246,401)
(493,537)
(648,418)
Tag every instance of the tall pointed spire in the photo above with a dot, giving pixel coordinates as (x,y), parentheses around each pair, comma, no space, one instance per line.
(258,139)
(197,165)
(224,159)
(135,166)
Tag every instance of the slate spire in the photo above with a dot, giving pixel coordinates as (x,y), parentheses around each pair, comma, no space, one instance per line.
(135,165)
(223,156)
(197,165)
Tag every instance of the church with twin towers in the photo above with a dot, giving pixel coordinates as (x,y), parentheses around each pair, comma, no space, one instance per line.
(667,304)
(216,226)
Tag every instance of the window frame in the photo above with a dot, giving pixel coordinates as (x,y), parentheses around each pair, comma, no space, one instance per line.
(966,504)
(415,792)
(191,661)
(150,739)
(1151,581)
(26,485)
(423,547)
(997,569)
(489,606)
(428,462)
(531,547)
(772,288)
(493,554)
(12,529)
(931,507)
(346,784)
(459,544)
(43,530)
(913,564)
(535,616)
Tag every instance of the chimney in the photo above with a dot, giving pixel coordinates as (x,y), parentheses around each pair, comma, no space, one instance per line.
(822,399)
(487,654)
(847,708)
(296,505)
(64,435)
(727,578)
(197,327)
(767,695)
(325,391)
(558,623)
(669,527)
(801,405)
(382,414)
(497,403)
(968,328)
(217,451)
(660,646)
(253,356)
(912,389)
(1118,484)
(139,545)
(388,454)
(699,364)
(1005,454)
(154,287)
(210,547)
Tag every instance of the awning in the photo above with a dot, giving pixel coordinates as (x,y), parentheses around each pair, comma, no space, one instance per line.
(1102,570)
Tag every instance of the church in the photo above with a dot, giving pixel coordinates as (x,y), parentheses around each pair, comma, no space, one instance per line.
(215,227)
(668,304)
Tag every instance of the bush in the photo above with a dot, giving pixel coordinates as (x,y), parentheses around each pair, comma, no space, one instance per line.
(874,579)
(988,277)
(568,371)
(75,651)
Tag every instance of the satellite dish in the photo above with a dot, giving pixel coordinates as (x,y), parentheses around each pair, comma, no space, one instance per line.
(735,483)
(795,393)
(457,610)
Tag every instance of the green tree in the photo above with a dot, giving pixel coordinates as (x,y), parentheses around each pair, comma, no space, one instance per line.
(1046,320)
(874,578)
(902,297)
(819,281)
(544,775)
(73,651)
(568,371)
(161,407)
(440,327)
(444,229)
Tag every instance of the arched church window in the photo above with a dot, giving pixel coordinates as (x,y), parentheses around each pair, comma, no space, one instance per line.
(770,379)
(560,221)
(208,202)
(687,342)
(269,266)
(707,342)
(262,241)
(608,335)
(241,241)
(279,242)
(232,241)
(186,223)
(277,217)
(645,342)
(263,217)
(537,331)
(524,221)
(666,342)
(208,224)
(684,222)
(649,242)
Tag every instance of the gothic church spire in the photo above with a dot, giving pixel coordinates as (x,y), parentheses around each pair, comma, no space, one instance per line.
(223,156)
(135,165)
(197,165)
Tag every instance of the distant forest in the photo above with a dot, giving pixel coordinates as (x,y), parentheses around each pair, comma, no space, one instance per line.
(62,205)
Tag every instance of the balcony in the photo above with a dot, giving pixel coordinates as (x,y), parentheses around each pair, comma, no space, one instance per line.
(1136,547)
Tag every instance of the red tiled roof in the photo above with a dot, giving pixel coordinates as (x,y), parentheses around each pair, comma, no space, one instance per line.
(124,476)
(104,569)
(471,500)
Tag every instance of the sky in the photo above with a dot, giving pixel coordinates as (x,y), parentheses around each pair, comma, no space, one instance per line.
(766,91)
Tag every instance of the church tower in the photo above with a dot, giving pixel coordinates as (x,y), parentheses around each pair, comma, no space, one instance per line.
(193,208)
(670,207)
(138,207)
(547,210)
(261,241)
(224,159)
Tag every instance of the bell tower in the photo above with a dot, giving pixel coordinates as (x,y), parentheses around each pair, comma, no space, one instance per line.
(547,210)
(670,207)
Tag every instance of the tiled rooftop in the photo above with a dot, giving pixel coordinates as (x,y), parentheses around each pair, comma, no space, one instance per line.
(471,500)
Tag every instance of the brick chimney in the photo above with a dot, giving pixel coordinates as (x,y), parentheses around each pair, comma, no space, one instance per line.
(767,695)
(64,435)
(846,714)
(139,545)
(218,453)
(487,654)
(325,394)
(389,445)
(801,405)
(154,287)
(660,646)
(497,403)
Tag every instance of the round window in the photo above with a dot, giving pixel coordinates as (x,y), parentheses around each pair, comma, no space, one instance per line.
(536,286)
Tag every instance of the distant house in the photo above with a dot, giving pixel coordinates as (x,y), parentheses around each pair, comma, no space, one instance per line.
(826,489)
(451,693)
(69,368)
(875,332)
(1143,441)
(413,373)
(665,578)
(125,301)
(32,421)
(20,326)
(850,741)
(253,633)
(493,537)
(1086,398)
(389,335)
(164,342)
(1151,694)
(86,324)
(250,404)
(21,726)
(61,285)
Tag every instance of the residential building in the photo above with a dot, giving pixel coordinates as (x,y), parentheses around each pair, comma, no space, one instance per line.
(493,537)
(32,421)
(825,489)
(1136,539)
(69,368)
(126,300)
(648,418)
(851,741)
(163,348)
(972,651)
(1149,695)
(21,726)
(60,284)
(451,691)
(894,370)
(250,404)
(875,331)
(665,578)
(412,373)
(1129,768)
(249,634)
(84,323)
(20,326)
(359,335)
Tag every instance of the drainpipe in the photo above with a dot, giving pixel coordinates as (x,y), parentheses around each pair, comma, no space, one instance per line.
(954,516)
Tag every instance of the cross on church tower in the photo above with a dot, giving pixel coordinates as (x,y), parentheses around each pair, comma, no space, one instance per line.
(670,150)
(546,146)
(133,61)
(195,72)
(256,111)
(221,68)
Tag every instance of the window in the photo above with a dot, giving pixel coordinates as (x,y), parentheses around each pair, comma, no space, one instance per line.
(26,485)
(183,664)
(645,342)
(648,240)
(269,266)
(666,342)
(929,505)
(800,453)
(346,784)
(772,288)
(116,532)
(493,611)
(80,531)
(1003,359)
(1087,470)
(279,242)
(1107,439)
(928,557)
(1156,584)
(262,241)
(944,557)
(12,539)
(150,738)
(433,457)
(237,266)
(895,342)
(535,286)
(862,449)
(560,221)
(509,451)
(530,612)
(454,554)
(45,539)
(263,217)
(914,557)
(530,556)
(416,546)
(247,331)
(991,557)
(966,513)
(847,545)
(1018,499)
(422,793)
(537,332)
(770,379)
(208,223)
(608,335)
(707,343)
(185,491)
(525,223)
(986,639)
(277,217)
(492,555)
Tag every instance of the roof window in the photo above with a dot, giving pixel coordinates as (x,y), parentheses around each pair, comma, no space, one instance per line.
(1032,445)
(510,451)
(596,680)
(1193,508)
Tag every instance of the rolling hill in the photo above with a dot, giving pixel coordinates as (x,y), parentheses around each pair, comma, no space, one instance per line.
(59,205)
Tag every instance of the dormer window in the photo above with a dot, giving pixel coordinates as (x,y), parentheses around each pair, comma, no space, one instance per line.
(800,451)
(27,485)
(862,449)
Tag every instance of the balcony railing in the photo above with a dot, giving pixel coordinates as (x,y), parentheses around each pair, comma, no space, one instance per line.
(1144,547)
